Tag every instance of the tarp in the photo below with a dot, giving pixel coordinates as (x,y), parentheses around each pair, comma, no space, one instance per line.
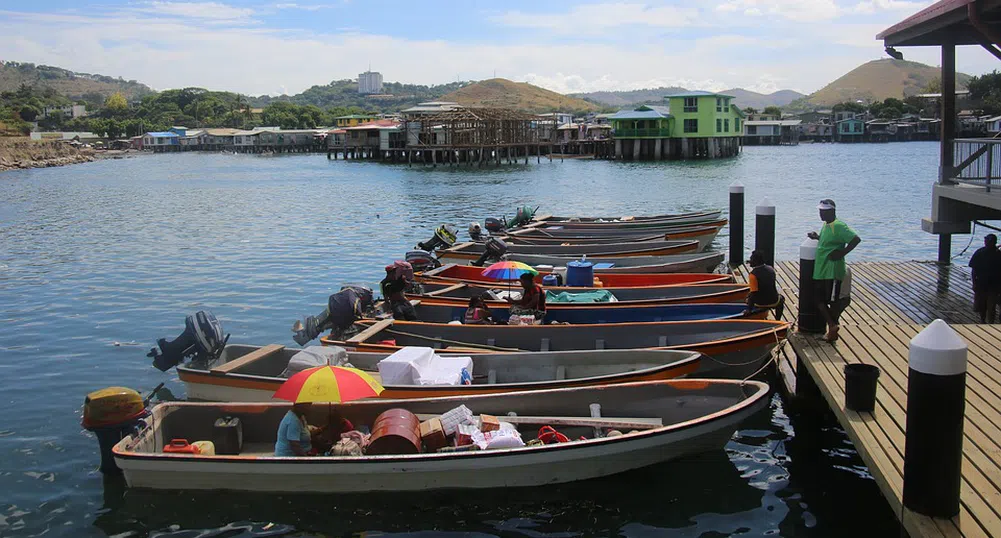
(422,366)
(595,296)
(314,356)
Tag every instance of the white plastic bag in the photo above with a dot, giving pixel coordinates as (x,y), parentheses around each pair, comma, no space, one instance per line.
(314,356)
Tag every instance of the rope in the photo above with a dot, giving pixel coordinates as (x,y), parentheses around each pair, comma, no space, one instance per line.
(773,356)
(456,342)
(973,233)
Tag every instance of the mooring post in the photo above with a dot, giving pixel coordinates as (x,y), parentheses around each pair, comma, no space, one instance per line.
(936,401)
(764,229)
(736,223)
(809,319)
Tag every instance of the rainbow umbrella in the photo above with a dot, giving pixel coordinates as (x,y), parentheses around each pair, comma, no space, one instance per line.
(508,270)
(333,384)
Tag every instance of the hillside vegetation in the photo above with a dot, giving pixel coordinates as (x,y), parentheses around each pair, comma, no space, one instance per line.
(878,80)
(344,93)
(86,87)
(503,93)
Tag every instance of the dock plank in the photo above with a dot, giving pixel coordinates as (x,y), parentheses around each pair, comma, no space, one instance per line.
(892,302)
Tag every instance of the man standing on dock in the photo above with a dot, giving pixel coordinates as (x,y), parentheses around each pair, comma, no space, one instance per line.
(834,242)
(985,267)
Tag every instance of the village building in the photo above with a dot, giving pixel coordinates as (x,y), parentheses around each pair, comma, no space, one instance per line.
(771,132)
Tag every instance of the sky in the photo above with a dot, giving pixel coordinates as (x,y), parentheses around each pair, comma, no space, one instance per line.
(289,45)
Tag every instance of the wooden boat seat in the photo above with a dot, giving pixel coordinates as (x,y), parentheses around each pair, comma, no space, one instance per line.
(253,356)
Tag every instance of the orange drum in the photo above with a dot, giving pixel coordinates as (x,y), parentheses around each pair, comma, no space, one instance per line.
(396,431)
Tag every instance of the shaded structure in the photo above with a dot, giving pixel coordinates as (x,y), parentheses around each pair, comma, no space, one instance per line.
(963,192)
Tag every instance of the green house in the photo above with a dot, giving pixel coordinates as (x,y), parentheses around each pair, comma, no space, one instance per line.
(704,114)
(645,121)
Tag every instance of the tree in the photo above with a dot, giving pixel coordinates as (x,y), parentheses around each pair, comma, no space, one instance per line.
(116,104)
(28,113)
(985,91)
(773,110)
(850,106)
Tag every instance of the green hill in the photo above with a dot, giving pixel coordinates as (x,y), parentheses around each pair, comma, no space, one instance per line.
(75,86)
(503,93)
(878,80)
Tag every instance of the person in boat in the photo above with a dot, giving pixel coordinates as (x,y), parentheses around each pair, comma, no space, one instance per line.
(761,280)
(835,241)
(399,276)
(477,313)
(985,266)
(293,433)
(532,301)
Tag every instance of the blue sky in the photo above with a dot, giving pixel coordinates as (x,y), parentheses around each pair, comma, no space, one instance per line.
(286,46)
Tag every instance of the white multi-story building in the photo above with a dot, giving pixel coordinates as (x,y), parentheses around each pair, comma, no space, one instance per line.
(369,82)
(69,111)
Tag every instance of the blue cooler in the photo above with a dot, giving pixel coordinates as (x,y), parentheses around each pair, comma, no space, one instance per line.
(550,281)
(580,274)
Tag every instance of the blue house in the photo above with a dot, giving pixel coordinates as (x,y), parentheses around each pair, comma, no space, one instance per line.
(161,141)
(849,130)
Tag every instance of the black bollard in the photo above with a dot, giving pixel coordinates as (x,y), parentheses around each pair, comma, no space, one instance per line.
(936,401)
(736,224)
(809,320)
(764,229)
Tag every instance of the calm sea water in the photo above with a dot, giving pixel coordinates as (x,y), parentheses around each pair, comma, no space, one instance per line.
(98,260)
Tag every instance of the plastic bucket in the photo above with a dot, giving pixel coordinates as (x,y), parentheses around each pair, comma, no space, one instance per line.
(860,387)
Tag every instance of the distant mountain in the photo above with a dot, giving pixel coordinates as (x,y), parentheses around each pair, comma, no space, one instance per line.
(629,97)
(75,86)
(344,93)
(742,98)
(499,92)
(878,80)
(746,98)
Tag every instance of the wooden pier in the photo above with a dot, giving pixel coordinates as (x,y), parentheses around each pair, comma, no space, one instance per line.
(892,302)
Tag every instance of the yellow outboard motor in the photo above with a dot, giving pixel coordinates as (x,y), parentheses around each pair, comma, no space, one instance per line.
(112,414)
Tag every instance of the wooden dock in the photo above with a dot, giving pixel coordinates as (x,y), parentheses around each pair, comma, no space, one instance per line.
(892,302)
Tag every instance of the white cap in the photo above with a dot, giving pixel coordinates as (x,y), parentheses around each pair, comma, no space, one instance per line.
(938,350)
(826,204)
(737,188)
(765,207)
(808,249)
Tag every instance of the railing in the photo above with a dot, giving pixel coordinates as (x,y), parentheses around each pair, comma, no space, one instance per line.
(976,161)
(642,133)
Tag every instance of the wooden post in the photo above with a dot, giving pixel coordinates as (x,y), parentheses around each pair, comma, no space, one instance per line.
(948,133)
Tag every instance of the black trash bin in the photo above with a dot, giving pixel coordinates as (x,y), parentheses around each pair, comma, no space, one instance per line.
(860,387)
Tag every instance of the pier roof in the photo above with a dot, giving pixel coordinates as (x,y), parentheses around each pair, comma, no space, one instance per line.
(944,20)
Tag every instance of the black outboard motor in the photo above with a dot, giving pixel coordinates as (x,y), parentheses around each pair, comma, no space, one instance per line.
(494,225)
(443,236)
(201,340)
(493,250)
(422,260)
(343,308)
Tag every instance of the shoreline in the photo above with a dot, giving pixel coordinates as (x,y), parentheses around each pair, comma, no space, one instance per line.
(23,154)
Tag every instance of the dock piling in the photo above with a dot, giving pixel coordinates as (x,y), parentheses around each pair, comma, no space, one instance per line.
(936,403)
(736,222)
(809,319)
(764,229)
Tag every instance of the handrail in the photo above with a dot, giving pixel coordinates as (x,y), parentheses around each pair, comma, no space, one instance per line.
(976,161)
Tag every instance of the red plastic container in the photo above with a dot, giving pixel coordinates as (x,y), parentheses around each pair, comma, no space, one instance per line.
(180,446)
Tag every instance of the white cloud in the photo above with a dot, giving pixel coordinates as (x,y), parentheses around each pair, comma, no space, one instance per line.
(601,16)
(305,7)
(872,6)
(198,10)
(794,10)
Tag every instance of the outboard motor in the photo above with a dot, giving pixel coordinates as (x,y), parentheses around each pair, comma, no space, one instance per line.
(475,231)
(494,225)
(422,260)
(443,236)
(343,308)
(201,340)
(522,216)
(494,249)
(112,414)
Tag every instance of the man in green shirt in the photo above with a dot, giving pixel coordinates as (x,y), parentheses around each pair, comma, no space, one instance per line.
(834,242)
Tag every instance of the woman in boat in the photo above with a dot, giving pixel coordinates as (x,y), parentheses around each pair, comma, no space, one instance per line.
(761,280)
(293,433)
(399,275)
(533,299)
(477,313)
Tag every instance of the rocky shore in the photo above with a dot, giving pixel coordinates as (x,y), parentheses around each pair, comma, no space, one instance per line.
(17,153)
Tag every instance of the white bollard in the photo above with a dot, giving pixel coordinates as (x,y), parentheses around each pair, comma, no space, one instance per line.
(936,402)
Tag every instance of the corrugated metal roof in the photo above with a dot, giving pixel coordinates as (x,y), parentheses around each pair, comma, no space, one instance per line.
(642,113)
(161,133)
(699,93)
(783,123)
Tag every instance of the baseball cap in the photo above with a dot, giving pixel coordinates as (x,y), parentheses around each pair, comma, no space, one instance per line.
(826,203)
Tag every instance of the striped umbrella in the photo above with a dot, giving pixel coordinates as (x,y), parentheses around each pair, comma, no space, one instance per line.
(334,384)
(508,270)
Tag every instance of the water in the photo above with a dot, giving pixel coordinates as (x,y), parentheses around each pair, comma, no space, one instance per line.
(119,251)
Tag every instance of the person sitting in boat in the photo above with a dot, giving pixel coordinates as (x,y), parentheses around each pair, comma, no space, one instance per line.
(478,313)
(399,276)
(761,280)
(532,301)
(293,433)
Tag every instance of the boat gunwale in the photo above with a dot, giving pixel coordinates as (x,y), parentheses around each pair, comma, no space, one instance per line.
(761,392)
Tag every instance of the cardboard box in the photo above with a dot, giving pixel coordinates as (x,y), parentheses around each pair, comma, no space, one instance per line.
(464,435)
(433,434)
(489,423)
